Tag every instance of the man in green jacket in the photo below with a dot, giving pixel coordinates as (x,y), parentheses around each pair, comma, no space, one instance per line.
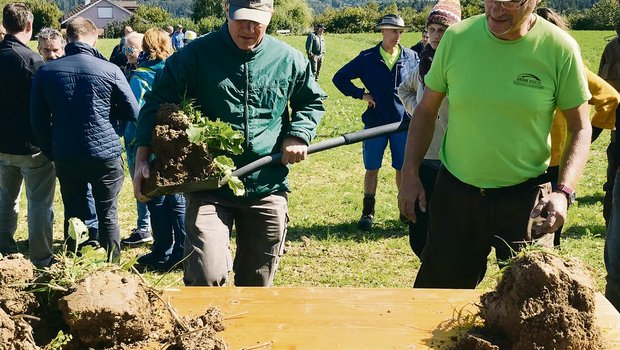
(248,79)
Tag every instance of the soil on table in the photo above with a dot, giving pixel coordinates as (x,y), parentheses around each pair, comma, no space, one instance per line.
(177,160)
(109,309)
(541,302)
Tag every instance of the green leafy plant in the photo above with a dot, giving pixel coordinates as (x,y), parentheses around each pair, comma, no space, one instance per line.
(220,139)
(73,266)
(59,342)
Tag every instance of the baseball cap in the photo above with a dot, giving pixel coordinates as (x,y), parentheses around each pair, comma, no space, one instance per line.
(252,10)
(391,21)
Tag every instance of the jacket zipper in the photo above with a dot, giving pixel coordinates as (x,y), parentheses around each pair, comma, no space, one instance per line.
(245,106)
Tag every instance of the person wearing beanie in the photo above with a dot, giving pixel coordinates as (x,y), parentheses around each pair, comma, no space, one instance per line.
(444,14)
(504,72)
(381,69)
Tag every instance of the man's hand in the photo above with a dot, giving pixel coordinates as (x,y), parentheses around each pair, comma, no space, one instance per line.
(142,172)
(411,191)
(368,98)
(555,207)
(294,150)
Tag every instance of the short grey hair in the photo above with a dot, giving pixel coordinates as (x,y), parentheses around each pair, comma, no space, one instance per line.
(51,34)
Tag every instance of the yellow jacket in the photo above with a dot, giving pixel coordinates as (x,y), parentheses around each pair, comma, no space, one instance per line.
(604,99)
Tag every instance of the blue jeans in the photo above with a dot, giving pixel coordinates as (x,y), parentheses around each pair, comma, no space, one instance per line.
(612,250)
(168,226)
(106,178)
(91,220)
(144,217)
(40,179)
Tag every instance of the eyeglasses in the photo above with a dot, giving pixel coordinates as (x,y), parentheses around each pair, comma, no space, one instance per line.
(511,5)
(128,50)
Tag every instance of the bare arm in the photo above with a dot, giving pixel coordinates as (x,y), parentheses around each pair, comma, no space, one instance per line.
(419,138)
(572,164)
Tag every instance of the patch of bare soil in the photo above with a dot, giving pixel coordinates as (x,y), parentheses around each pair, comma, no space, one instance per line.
(541,302)
(15,303)
(108,309)
(15,274)
(177,161)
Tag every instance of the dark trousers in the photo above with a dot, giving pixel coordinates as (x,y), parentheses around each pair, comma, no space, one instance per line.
(168,226)
(418,230)
(466,222)
(609,185)
(106,179)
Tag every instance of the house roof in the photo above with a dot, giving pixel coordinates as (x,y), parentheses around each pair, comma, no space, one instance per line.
(126,6)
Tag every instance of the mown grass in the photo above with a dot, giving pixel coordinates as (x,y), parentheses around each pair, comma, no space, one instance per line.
(324,247)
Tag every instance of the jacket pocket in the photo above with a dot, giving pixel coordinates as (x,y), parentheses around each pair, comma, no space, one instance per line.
(268,100)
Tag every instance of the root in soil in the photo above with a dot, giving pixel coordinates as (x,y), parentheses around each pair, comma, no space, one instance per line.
(541,302)
(177,160)
(108,309)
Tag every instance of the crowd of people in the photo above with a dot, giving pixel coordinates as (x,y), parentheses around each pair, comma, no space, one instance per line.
(484,96)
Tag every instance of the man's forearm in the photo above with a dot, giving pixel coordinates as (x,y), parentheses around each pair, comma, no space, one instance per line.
(575,156)
(419,137)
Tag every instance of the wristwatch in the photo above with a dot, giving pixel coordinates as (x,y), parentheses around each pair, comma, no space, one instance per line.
(567,191)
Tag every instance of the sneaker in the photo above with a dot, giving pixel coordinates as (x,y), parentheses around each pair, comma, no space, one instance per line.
(152,263)
(138,236)
(365,223)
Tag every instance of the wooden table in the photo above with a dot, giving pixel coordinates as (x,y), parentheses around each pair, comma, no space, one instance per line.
(344,318)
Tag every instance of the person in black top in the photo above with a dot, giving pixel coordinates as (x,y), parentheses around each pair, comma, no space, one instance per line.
(20,158)
(422,43)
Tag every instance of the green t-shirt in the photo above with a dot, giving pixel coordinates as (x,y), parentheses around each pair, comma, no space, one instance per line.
(502,99)
(390,60)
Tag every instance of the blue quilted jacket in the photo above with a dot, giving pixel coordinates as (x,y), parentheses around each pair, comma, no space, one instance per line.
(75,101)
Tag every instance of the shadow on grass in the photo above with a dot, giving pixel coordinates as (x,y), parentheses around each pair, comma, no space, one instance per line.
(581,231)
(349,231)
(592,199)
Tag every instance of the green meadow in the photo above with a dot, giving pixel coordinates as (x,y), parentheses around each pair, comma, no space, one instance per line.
(324,248)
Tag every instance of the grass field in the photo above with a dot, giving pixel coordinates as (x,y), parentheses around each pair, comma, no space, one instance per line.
(324,247)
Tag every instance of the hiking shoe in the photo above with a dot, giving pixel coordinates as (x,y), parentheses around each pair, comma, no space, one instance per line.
(365,223)
(138,236)
(153,263)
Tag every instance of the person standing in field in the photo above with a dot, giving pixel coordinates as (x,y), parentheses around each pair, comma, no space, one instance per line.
(609,70)
(444,14)
(141,234)
(492,189)
(381,69)
(74,102)
(21,159)
(417,48)
(177,38)
(315,48)
(605,100)
(265,89)
(167,212)
(51,45)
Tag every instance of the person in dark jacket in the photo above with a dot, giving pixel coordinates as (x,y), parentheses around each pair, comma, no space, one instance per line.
(73,101)
(417,48)
(381,69)
(20,158)
(264,88)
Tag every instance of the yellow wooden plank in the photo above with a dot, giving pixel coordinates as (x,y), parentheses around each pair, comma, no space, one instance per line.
(344,318)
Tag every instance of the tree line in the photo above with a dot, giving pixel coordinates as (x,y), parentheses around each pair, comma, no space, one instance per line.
(203,16)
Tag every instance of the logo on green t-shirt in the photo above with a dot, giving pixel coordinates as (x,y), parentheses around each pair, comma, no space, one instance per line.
(529,80)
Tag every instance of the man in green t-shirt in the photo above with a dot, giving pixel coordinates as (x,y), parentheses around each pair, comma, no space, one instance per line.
(504,72)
